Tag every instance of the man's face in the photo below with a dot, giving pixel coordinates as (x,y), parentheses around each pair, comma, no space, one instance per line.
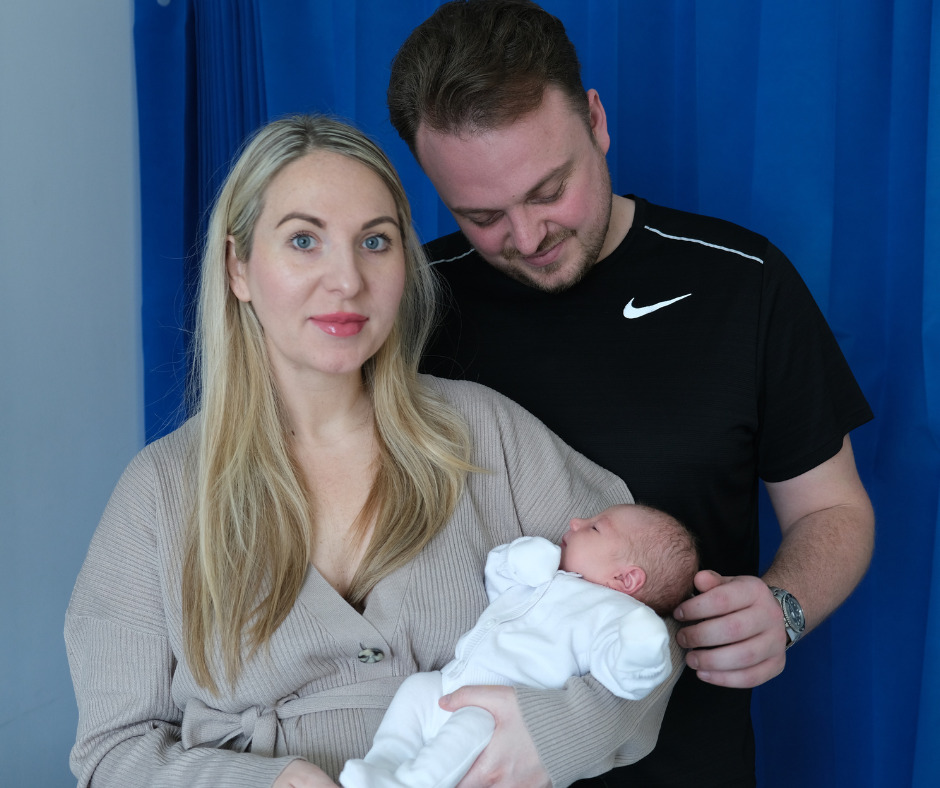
(534,197)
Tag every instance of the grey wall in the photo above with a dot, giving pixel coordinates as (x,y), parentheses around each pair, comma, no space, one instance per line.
(70,392)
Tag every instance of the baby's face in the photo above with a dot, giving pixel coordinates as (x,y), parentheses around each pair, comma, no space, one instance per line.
(595,547)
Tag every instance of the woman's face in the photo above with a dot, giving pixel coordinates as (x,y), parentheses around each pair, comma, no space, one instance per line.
(327,268)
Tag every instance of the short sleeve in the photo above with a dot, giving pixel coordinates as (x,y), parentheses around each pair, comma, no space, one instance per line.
(809,398)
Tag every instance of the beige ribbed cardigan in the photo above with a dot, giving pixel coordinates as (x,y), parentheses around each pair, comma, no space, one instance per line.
(144,721)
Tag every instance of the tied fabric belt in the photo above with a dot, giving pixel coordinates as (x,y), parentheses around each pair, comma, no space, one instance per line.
(262,728)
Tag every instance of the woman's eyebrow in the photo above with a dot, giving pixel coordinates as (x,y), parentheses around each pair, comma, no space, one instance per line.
(379,220)
(306,217)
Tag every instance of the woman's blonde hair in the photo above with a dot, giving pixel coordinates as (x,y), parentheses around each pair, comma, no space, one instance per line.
(248,541)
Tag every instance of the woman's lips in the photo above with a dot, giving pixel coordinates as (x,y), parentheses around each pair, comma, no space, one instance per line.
(340,324)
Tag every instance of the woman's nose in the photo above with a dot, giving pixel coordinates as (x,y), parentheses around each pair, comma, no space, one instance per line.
(343,274)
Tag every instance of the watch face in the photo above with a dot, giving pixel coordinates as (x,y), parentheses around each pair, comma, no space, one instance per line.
(794,612)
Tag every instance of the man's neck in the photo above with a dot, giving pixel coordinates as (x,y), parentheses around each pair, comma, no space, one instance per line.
(622,210)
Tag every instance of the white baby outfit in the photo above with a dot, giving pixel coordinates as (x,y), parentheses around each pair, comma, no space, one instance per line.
(542,627)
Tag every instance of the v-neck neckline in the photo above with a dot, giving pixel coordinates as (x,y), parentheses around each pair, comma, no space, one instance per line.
(375,626)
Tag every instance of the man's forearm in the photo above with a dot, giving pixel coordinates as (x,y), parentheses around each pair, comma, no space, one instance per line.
(823,556)
(828,529)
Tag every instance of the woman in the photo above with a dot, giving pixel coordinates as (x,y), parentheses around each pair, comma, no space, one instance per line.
(265,577)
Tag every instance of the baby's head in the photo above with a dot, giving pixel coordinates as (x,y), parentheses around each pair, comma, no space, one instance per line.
(635,549)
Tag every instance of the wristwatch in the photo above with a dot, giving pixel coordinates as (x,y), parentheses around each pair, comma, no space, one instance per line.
(793,618)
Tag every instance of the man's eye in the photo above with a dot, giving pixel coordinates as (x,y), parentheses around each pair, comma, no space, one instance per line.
(550,198)
(486,221)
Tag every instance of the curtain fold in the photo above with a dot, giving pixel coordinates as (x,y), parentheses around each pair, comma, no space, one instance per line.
(927,758)
(814,123)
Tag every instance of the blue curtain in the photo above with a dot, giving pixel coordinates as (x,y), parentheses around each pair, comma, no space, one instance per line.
(814,122)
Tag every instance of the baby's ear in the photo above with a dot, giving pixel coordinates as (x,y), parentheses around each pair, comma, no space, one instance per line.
(628,580)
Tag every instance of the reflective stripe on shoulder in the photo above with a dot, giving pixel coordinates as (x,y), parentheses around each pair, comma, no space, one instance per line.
(451,259)
(702,243)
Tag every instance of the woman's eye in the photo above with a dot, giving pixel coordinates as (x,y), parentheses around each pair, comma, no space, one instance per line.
(303,241)
(377,243)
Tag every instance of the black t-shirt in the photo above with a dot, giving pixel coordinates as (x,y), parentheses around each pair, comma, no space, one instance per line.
(734,376)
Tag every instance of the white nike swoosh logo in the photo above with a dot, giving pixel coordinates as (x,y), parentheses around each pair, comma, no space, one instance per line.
(630,312)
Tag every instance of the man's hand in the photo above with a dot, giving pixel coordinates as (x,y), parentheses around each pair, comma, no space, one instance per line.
(736,626)
(739,639)
(510,760)
(303,774)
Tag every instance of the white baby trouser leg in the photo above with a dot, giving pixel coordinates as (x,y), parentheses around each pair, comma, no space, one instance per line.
(418,744)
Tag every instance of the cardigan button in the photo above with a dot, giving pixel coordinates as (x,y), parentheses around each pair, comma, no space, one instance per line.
(370,655)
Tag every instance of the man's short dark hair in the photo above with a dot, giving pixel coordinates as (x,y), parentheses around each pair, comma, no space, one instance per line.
(481,64)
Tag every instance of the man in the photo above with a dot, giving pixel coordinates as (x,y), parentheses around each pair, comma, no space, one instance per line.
(683,353)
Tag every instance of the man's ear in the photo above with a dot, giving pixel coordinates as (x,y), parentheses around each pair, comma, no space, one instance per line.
(598,117)
(628,580)
(236,272)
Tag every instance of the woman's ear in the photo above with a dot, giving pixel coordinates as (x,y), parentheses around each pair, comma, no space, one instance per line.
(237,282)
(628,580)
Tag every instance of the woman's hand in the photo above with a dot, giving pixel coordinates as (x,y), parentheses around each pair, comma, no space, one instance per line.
(510,760)
(303,774)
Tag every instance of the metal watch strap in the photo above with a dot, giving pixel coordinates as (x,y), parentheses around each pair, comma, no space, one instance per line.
(793,628)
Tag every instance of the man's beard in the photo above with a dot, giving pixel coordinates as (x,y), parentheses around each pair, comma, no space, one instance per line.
(590,252)
(540,278)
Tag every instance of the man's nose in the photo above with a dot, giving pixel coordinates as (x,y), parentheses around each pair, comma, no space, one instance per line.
(528,230)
